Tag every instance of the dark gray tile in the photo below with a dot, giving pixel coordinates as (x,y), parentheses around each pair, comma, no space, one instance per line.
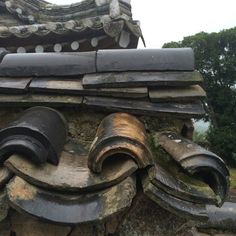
(70,209)
(141,79)
(72,172)
(48,64)
(170,59)
(140,107)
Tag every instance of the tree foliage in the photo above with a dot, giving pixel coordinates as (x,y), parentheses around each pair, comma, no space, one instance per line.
(215,58)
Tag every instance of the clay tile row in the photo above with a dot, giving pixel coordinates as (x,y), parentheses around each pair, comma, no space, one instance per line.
(160,82)
(92,186)
(62,64)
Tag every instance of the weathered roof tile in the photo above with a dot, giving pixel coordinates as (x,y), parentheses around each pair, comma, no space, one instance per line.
(173,184)
(14,85)
(63,85)
(175,205)
(120,135)
(140,79)
(58,78)
(197,161)
(72,173)
(140,107)
(68,208)
(178,94)
(48,64)
(83,20)
(145,60)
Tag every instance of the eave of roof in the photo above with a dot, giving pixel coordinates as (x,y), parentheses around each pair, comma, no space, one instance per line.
(33,11)
(73,26)
(87,21)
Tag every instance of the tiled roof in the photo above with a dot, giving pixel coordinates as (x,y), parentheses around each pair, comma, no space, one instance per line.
(125,158)
(90,24)
(107,79)
(38,11)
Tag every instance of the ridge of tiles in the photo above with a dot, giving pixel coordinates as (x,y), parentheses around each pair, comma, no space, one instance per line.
(158,81)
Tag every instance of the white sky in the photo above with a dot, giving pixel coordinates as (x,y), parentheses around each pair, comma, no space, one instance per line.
(163,21)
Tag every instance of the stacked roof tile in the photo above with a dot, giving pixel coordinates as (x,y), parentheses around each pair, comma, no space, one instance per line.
(45,179)
(89,187)
(106,80)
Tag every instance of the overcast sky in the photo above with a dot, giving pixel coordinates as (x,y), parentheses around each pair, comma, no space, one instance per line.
(170,20)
